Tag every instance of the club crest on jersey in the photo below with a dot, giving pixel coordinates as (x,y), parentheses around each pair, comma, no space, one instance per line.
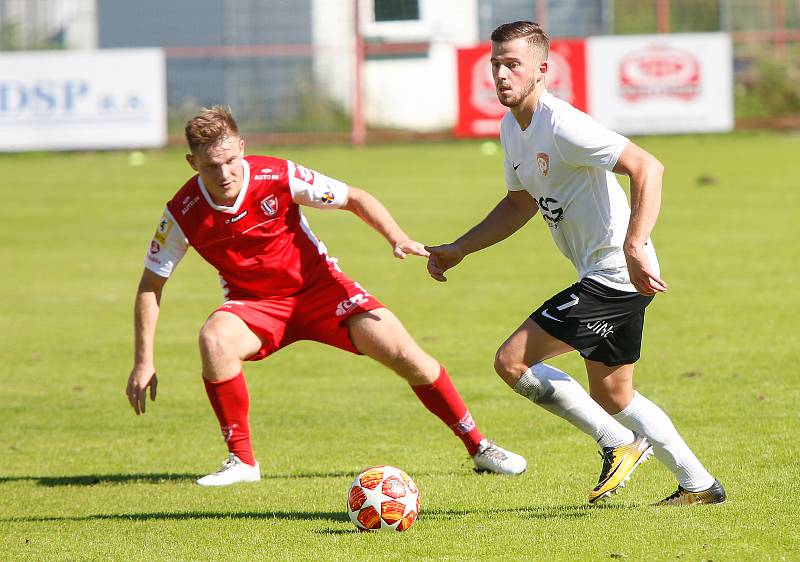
(543,161)
(270,206)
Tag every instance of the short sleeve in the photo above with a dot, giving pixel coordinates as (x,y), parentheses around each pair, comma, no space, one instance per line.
(312,189)
(167,247)
(582,141)
(512,179)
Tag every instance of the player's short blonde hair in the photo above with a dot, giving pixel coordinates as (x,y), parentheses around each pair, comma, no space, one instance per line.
(210,126)
(532,32)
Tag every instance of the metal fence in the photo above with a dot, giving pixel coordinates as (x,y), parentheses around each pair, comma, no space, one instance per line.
(293,65)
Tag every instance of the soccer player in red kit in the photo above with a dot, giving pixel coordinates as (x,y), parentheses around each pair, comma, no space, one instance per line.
(242,215)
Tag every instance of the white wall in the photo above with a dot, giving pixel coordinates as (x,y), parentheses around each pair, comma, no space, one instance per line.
(417,92)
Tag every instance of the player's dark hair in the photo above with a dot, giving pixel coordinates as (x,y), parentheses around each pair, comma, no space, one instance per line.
(210,126)
(528,30)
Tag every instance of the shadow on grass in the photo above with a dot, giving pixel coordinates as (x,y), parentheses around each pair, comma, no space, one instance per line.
(533,512)
(94,479)
(152,478)
(332,516)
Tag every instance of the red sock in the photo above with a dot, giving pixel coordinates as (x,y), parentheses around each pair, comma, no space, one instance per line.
(231,403)
(443,400)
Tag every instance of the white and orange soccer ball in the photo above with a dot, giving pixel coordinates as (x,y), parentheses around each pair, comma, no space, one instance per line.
(383,498)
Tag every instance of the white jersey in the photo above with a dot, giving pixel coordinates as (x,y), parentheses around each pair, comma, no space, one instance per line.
(564,160)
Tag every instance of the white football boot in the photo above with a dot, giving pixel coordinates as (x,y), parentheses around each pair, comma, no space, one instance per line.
(493,458)
(232,471)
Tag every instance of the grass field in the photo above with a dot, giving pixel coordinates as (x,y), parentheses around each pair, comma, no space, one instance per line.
(83,478)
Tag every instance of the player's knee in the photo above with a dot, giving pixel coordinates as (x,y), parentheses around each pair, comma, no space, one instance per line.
(212,341)
(508,366)
(610,401)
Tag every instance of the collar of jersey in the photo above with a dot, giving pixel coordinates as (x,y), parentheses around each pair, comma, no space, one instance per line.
(536,112)
(239,198)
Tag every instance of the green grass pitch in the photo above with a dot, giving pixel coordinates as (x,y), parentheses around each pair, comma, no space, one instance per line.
(83,478)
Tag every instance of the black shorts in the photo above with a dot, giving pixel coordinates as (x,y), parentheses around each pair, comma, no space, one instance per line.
(602,323)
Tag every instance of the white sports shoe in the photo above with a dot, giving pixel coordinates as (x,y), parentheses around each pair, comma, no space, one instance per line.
(232,471)
(493,458)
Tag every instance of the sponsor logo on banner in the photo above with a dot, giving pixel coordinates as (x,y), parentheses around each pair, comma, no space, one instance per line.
(659,71)
(270,206)
(479,111)
(484,94)
(559,77)
(543,161)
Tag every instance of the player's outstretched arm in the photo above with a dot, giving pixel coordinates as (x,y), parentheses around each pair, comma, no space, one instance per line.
(646,173)
(508,216)
(146,309)
(366,207)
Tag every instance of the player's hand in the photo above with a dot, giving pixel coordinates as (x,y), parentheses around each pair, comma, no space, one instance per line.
(642,277)
(442,258)
(140,379)
(405,247)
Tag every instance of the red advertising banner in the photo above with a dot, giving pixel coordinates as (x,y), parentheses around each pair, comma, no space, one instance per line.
(479,112)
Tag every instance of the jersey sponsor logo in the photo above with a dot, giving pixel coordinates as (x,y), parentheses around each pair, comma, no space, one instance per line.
(270,205)
(155,247)
(349,304)
(163,228)
(515,166)
(237,218)
(551,213)
(543,161)
(601,328)
(303,173)
(266,174)
(188,203)
(659,71)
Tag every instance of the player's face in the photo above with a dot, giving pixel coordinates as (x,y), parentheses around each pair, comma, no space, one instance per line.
(517,68)
(220,168)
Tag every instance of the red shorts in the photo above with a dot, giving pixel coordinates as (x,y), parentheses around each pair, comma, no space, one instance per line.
(316,313)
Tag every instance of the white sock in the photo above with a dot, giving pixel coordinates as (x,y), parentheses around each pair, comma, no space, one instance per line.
(560,394)
(645,418)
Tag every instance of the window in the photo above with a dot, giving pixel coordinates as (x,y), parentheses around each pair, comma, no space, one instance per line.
(396,10)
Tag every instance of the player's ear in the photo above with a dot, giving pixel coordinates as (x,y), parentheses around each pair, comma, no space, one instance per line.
(241,145)
(543,66)
(190,160)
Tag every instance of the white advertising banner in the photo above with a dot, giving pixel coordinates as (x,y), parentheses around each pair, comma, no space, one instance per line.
(650,84)
(78,100)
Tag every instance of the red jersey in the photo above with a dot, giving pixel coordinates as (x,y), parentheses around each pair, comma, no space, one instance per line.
(261,245)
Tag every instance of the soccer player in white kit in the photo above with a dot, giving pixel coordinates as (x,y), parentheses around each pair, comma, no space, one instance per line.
(560,161)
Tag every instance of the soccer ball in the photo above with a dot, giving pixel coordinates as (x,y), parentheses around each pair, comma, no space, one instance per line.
(383,498)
